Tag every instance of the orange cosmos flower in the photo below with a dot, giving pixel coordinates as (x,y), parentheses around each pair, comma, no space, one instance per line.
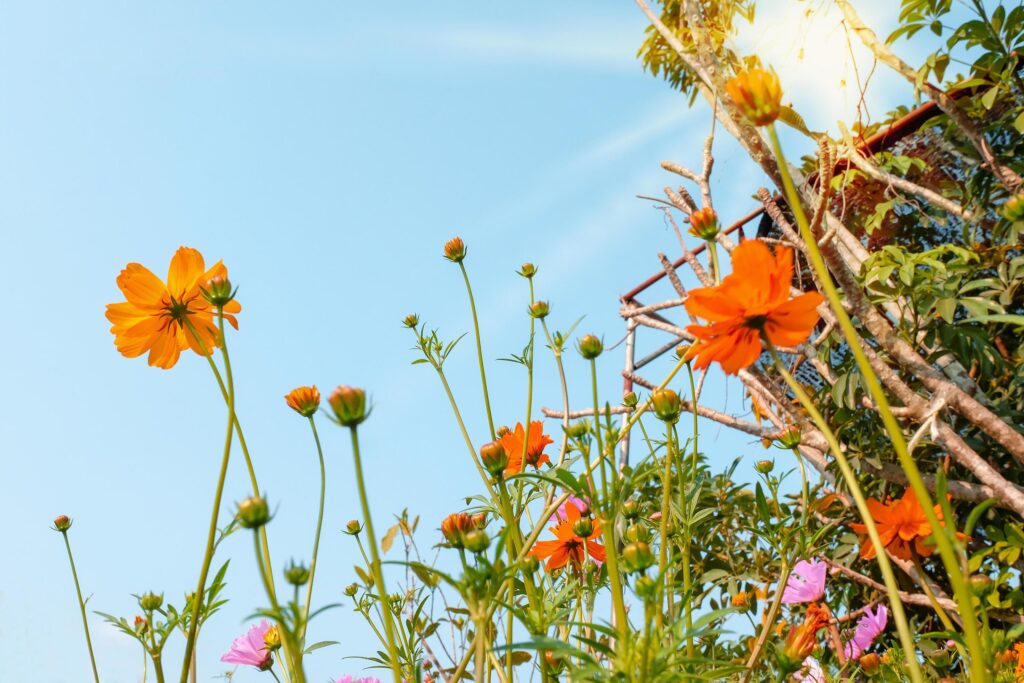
(902,526)
(751,302)
(570,547)
(513,443)
(303,400)
(156,317)
(802,639)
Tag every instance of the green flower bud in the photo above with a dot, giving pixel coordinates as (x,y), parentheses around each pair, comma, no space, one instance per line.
(1013,209)
(638,533)
(353,527)
(411,321)
(349,406)
(351,590)
(539,309)
(637,557)
(62,523)
(253,512)
(590,347)
(981,585)
(494,458)
(150,602)
(764,466)
(476,540)
(583,527)
(577,429)
(631,509)
(630,399)
(704,224)
(528,270)
(218,291)
(789,438)
(296,574)
(666,405)
(646,588)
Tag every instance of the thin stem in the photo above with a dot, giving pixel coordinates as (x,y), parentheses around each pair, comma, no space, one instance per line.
(948,553)
(666,493)
(716,269)
(378,575)
(608,527)
(769,622)
(292,653)
(81,607)
(316,537)
(479,348)
(892,589)
(193,628)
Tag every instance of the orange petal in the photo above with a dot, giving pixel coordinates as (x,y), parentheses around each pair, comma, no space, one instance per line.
(184,272)
(140,286)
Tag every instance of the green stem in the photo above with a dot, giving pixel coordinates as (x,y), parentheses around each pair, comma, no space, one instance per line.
(378,574)
(316,536)
(769,623)
(81,607)
(666,492)
(289,644)
(479,349)
(608,526)
(979,672)
(716,270)
(193,628)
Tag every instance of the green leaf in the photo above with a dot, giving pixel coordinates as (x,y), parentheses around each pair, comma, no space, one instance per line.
(317,646)
(1008,318)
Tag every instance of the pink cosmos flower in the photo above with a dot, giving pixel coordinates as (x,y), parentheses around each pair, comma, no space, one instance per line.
(578,503)
(251,649)
(806,583)
(810,672)
(350,679)
(868,628)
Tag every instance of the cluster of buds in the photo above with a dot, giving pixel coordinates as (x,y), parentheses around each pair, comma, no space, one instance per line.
(253,512)
(455,250)
(757,94)
(590,347)
(494,458)
(218,291)
(704,224)
(666,405)
(349,406)
(296,574)
(463,530)
(304,400)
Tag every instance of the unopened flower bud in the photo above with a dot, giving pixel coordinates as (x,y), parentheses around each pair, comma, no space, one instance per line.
(704,224)
(583,527)
(502,431)
(528,270)
(981,585)
(476,540)
(530,564)
(646,587)
(455,250)
(351,590)
(411,321)
(494,457)
(539,309)
(666,404)
(757,94)
(304,400)
(764,466)
(478,520)
(454,527)
(682,350)
(427,665)
(789,438)
(631,509)
(140,624)
(253,512)
(1013,209)
(553,662)
(296,574)
(870,663)
(638,533)
(349,405)
(636,557)
(590,347)
(62,523)
(353,527)
(577,429)
(150,602)
(218,291)
(272,638)
(629,399)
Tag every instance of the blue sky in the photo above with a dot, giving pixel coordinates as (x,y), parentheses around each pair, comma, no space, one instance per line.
(325,153)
